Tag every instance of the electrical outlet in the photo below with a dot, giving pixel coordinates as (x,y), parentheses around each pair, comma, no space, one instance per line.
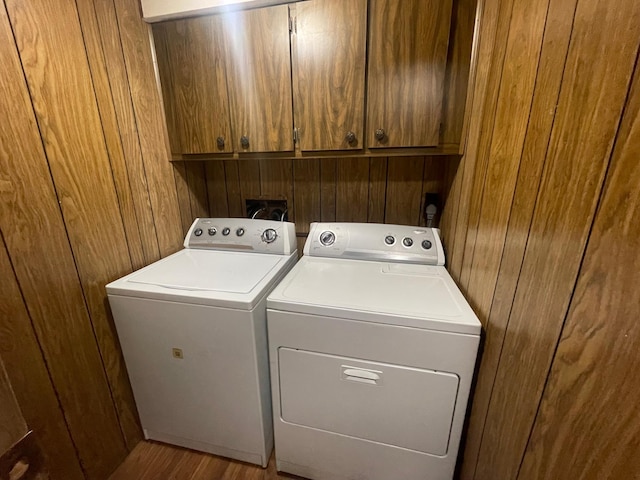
(267,209)
(432,199)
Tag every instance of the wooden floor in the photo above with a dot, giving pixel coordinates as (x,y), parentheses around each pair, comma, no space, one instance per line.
(158,461)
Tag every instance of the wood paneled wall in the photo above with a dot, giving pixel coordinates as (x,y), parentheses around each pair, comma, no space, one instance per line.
(19,450)
(540,233)
(12,424)
(88,194)
(540,225)
(381,190)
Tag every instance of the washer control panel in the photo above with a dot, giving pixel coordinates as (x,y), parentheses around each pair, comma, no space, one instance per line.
(380,242)
(242,234)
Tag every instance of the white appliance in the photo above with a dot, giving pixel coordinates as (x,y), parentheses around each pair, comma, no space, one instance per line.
(192,327)
(372,351)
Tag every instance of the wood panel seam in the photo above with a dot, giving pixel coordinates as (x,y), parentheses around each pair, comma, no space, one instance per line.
(293,181)
(224,170)
(44,357)
(386,184)
(104,141)
(482,156)
(170,236)
(473,131)
(119,132)
(422,192)
(473,74)
(135,123)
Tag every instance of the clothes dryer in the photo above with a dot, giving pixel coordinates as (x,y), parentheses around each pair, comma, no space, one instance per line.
(372,351)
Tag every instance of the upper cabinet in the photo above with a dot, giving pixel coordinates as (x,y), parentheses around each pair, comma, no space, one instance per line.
(259,79)
(191,64)
(318,76)
(408,42)
(226,81)
(329,50)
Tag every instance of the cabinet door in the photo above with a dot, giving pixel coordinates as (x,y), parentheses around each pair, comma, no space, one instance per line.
(194,84)
(408,42)
(259,68)
(330,47)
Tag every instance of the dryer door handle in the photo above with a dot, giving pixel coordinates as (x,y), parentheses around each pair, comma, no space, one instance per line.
(371,377)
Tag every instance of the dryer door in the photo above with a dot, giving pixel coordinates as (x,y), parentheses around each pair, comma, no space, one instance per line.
(396,405)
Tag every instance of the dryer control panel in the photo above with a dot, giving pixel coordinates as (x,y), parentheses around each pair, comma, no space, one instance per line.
(242,234)
(372,241)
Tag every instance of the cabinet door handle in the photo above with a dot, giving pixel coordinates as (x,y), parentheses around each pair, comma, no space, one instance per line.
(220,143)
(244,141)
(350,137)
(380,134)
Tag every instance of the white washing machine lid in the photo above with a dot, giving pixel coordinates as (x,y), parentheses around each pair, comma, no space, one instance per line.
(421,296)
(206,277)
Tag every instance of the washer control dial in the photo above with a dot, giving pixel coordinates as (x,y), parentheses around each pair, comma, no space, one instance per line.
(426,244)
(197,232)
(212,231)
(269,235)
(240,232)
(389,239)
(407,241)
(327,238)
(226,231)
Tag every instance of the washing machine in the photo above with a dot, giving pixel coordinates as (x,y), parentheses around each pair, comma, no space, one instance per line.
(372,352)
(192,327)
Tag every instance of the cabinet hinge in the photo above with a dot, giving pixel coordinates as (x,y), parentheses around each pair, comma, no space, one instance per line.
(293,25)
(296,135)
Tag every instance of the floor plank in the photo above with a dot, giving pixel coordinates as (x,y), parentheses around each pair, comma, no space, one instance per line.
(152,460)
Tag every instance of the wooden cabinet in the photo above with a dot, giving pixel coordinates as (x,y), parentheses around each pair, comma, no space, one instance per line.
(259,74)
(408,42)
(191,64)
(232,82)
(226,81)
(329,43)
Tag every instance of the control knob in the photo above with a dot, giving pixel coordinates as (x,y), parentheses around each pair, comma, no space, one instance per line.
(327,238)
(269,235)
(226,231)
(197,232)
(426,244)
(240,232)
(212,231)
(407,241)
(389,240)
